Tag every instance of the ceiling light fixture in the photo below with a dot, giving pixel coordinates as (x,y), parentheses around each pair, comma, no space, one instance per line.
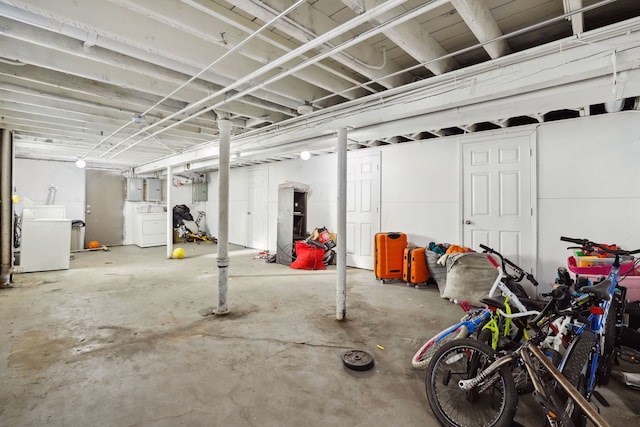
(305,155)
(305,108)
(81,163)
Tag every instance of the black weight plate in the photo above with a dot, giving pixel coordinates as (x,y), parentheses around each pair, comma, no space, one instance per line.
(357,360)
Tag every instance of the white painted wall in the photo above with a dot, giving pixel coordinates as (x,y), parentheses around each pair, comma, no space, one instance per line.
(32,178)
(587,187)
(588,177)
(419,185)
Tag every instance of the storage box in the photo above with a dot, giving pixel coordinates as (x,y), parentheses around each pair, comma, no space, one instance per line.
(593,260)
(598,266)
(632,283)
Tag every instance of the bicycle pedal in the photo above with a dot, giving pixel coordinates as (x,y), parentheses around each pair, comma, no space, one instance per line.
(600,398)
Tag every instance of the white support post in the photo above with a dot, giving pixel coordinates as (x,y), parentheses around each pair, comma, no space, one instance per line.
(223,215)
(6,207)
(169,213)
(341,261)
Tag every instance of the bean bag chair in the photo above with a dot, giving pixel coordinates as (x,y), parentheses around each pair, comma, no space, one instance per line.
(308,256)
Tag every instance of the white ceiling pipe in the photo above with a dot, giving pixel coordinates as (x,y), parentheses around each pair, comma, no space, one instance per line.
(614,106)
(580,92)
(381,9)
(349,107)
(222,15)
(503,37)
(267,99)
(271,66)
(570,49)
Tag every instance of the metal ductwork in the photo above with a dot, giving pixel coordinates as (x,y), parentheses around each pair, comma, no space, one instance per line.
(6,207)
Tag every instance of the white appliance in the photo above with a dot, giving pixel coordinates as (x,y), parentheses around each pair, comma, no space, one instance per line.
(44,212)
(45,244)
(45,239)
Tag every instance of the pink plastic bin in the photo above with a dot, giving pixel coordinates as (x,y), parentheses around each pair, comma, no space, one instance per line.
(631,282)
(596,270)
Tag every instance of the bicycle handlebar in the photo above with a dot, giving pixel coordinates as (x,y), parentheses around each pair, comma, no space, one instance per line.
(589,243)
(521,273)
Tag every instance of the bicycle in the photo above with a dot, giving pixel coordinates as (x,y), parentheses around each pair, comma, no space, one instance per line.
(486,318)
(594,339)
(467,383)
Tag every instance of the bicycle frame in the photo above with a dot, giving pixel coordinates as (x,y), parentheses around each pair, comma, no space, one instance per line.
(468,326)
(597,323)
(524,353)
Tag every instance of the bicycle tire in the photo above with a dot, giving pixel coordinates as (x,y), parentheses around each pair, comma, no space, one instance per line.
(463,358)
(423,356)
(605,363)
(575,370)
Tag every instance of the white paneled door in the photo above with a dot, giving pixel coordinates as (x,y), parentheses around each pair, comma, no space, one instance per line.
(497,196)
(363,208)
(258,209)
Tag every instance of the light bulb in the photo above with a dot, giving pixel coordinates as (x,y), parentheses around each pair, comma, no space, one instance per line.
(81,163)
(305,155)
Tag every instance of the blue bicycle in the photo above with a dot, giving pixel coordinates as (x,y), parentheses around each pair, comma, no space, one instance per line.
(592,349)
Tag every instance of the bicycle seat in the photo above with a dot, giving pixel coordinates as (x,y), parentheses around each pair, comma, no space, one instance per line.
(600,291)
(496,302)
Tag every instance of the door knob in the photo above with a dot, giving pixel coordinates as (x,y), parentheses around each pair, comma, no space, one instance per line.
(467,222)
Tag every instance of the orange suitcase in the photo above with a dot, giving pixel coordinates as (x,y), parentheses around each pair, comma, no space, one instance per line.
(388,253)
(414,266)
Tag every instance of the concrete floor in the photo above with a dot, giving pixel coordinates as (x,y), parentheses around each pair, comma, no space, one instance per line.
(117,340)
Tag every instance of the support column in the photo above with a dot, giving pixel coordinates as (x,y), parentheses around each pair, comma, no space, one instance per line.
(223,214)
(6,207)
(169,213)
(341,258)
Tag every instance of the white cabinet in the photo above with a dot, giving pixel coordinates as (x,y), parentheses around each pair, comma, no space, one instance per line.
(150,229)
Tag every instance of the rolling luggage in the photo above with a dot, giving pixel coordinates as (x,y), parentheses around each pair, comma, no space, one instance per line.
(388,253)
(414,266)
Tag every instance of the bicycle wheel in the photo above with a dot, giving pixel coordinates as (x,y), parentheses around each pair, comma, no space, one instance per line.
(605,363)
(492,403)
(576,370)
(422,357)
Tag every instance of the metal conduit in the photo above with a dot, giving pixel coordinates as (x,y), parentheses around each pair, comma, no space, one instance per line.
(280,127)
(6,206)
(360,19)
(403,91)
(270,41)
(195,76)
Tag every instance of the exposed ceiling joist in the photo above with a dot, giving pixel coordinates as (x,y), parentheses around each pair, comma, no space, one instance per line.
(577,20)
(478,17)
(411,37)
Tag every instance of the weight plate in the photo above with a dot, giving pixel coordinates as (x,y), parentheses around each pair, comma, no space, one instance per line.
(357,360)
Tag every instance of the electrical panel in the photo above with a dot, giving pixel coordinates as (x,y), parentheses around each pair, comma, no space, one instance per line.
(200,189)
(153,190)
(135,189)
